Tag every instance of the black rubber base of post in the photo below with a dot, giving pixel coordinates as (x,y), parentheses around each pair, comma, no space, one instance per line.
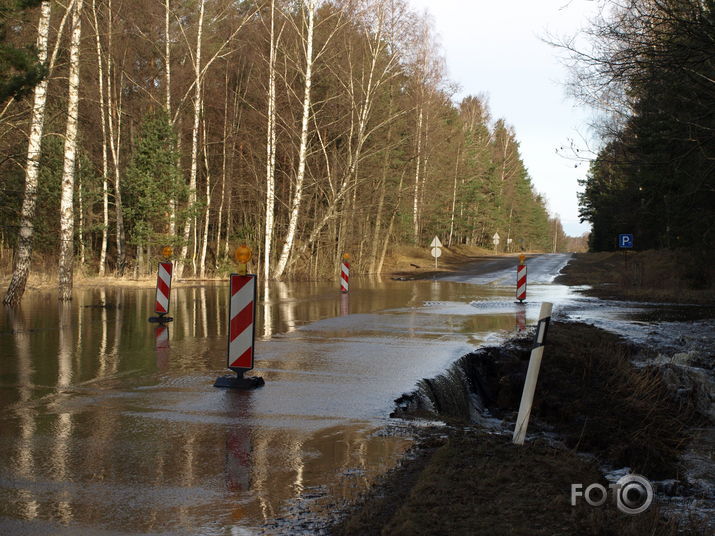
(235,382)
(161,319)
(520,302)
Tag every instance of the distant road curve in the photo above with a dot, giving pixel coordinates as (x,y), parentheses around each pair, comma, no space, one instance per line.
(501,271)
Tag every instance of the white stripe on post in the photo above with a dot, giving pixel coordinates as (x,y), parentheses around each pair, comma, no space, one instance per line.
(532,374)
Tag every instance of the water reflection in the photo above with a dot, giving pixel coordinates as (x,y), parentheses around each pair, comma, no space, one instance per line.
(111,423)
(161,336)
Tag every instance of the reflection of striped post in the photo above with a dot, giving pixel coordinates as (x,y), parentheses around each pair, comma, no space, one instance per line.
(521,319)
(344,305)
(161,335)
(241,331)
(521,282)
(532,374)
(344,276)
(163,288)
(238,460)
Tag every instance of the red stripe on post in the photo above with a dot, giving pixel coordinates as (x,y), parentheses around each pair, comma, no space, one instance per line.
(241,321)
(237,283)
(241,328)
(245,360)
(163,287)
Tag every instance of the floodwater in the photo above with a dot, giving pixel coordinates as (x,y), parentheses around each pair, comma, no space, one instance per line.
(111,424)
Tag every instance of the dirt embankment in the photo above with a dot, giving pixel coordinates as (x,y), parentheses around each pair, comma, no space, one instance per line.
(592,407)
(408,262)
(654,275)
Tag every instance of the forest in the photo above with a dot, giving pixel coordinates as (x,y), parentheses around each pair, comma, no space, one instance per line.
(650,67)
(304,129)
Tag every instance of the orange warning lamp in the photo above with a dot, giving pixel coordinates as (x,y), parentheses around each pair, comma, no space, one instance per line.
(167,252)
(522,258)
(346,256)
(242,254)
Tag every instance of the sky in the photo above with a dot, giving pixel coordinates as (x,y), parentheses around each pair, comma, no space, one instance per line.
(495,48)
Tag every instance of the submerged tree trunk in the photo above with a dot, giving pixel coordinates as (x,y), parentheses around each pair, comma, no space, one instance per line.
(23,253)
(167,97)
(302,155)
(191,220)
(105,156)
(68,172)
(418,165)
(270,152)
(205,237)
(115,108)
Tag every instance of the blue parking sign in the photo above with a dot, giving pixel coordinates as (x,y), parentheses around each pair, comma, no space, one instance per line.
(625,241)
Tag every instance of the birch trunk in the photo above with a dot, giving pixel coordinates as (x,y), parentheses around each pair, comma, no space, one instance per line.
(415,203)
(270,152)
(66,207)
(167,97)
(105,156)
(298,194)
(359,131)
(114,108)
(80,219)
(374,261)
(454,199)
(23,254)
(224,142)
(194,148)
(204,245)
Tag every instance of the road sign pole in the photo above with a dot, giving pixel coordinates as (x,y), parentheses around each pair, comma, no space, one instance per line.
(436,246)
(532,374)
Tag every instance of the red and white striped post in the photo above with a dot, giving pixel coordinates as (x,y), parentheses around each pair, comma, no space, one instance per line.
(345,273)
(241,326)
(521,279)
(163,289)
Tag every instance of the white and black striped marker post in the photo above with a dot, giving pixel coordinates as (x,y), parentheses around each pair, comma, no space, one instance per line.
(532,374)
(163,293)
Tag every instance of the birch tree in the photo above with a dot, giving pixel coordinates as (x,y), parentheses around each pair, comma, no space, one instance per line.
(302,153)
(191,220)
(23,254)
(68,173)
(270,151)
(105,155)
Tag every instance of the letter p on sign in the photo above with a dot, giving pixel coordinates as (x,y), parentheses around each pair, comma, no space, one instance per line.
(625,241)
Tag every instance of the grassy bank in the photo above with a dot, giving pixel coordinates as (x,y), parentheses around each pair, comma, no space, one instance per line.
(592,407)
(663,275)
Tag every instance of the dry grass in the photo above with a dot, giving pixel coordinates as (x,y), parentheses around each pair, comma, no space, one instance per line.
(477,484)
(677,276)
(467,482)
(414,261)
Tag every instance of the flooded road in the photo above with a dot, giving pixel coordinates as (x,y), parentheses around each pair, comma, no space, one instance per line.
(111,425)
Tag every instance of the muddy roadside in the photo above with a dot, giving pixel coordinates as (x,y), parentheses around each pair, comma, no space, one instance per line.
(412,263)
(604,407)
(652,276)
(594,414)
